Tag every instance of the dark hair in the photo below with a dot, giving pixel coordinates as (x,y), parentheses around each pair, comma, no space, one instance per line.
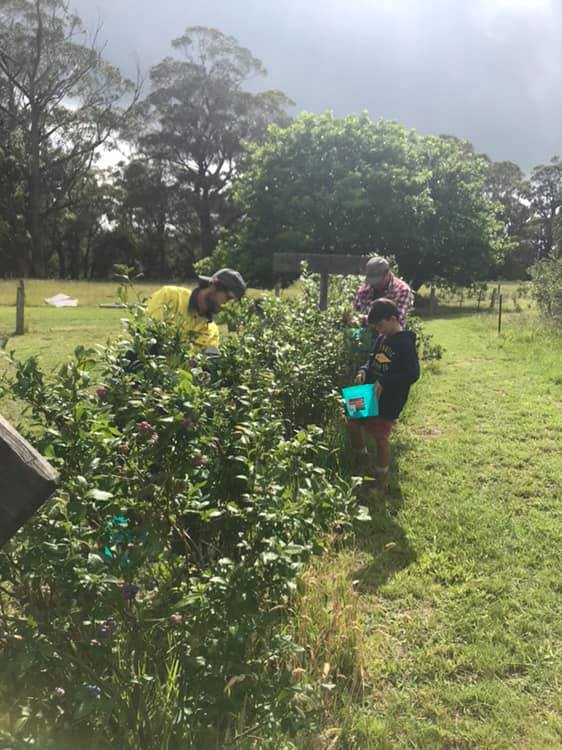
(383,309)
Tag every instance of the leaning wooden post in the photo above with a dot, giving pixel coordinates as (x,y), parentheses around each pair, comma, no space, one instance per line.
(26,481)
(20,309)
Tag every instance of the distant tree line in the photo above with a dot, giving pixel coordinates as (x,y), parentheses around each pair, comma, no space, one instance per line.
(62,106)
(214,173)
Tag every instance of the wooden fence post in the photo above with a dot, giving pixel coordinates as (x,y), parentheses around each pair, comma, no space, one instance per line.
(20,309)
(324,264)
(500,315)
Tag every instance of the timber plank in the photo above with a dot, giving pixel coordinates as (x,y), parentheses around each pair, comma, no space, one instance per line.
(26,480)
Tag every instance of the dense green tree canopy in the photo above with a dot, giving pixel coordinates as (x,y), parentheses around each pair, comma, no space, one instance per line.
(351,185)
(508,187)
(460,238)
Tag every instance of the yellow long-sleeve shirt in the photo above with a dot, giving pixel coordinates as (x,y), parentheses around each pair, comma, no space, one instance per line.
(194,328)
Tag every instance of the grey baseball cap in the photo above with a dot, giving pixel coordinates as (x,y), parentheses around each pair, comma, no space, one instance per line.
(229,279)
(376,268)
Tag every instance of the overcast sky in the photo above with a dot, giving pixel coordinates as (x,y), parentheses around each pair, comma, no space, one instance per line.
(486,70)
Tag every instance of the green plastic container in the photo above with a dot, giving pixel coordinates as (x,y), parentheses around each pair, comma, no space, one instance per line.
(360,401)
(362,339)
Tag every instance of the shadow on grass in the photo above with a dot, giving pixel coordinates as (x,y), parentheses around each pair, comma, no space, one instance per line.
(383,538)
(457,311)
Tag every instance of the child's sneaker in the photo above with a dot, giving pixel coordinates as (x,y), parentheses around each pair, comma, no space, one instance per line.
(382,480)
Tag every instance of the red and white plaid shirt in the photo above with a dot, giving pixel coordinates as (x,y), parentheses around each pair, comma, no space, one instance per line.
(395,290)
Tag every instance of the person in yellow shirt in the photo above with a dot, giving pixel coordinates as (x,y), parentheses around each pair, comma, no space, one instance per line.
(193,310)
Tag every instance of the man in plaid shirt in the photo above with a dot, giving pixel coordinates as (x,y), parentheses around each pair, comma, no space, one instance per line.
(381,282)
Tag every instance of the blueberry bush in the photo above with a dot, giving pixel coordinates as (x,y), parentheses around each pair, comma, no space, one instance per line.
(145,605)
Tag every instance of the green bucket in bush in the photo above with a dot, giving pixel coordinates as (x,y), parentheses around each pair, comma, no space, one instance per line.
(360,401)
(362,340)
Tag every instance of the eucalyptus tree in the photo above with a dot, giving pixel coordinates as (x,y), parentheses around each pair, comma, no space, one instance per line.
(64,101)
(199,118)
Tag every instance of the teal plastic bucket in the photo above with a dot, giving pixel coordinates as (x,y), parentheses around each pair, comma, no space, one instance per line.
(360,401)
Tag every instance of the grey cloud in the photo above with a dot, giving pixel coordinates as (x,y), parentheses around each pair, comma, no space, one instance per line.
(486,70)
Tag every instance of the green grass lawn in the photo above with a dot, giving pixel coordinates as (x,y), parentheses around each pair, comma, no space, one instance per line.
(54,333)
(457,578)
(88,293)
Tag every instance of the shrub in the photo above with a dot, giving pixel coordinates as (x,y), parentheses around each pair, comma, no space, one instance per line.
(546,287)
(144,605)
(148,594)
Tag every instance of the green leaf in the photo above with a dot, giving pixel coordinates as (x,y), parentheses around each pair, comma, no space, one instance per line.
(99,495)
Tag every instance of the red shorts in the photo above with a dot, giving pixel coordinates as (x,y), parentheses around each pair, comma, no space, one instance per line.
(376,427)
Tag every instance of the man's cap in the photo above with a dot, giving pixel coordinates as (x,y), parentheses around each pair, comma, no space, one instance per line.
(229,279)
(376,268)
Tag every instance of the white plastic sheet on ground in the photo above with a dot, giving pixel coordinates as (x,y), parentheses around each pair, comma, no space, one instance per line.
(61,300)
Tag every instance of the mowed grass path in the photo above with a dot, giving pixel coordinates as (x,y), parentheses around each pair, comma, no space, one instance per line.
(458,577)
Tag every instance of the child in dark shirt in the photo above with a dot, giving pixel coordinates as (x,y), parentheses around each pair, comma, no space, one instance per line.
(392,367)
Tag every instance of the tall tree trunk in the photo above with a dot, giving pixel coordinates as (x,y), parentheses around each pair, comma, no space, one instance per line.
(74,255)
(206,226)
(62,260)
(86,258)
(161,229)
(38,268)
(37,257)
(22,265)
